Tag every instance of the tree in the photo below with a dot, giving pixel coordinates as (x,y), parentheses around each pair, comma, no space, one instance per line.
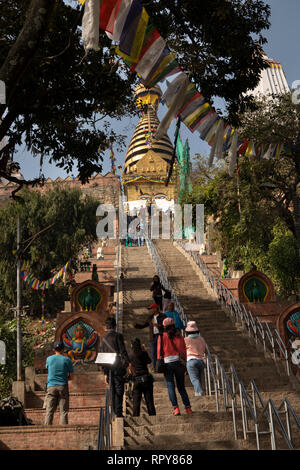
(219,42)
(56,98)
(260,232)
(276,120)
(74,219)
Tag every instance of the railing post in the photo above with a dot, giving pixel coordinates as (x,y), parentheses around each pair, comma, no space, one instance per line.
(243,412)
(272,430)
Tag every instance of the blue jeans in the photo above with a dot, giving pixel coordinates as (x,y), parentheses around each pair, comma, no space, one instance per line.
(195,368)
(175,369)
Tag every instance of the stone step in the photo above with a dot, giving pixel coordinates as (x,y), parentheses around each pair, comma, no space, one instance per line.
(160,419)
(62,437)
(166,437)
(130,444)
(88,415)
(225,339)
(97,398)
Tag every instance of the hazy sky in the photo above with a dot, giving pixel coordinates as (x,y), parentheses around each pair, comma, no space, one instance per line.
(283,45)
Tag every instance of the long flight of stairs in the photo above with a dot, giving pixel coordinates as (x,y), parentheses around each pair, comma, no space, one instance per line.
(205,429)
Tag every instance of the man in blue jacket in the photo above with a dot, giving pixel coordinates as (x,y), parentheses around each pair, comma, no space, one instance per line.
(172,313)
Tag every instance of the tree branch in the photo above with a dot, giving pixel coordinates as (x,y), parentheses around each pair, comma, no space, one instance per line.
(25,47)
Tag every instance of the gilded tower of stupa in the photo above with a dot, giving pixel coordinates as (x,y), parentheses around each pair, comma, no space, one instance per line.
(147,160)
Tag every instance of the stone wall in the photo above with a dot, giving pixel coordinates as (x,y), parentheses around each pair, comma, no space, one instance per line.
(104,187)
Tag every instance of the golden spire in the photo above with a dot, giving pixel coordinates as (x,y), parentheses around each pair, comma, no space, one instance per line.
(147,101)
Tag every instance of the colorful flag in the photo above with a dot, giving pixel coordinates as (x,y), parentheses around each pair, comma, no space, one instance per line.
(194,103)
(243,147)
(172,89)
(107,12)
(150,56)
(200,111)
(250,151)
(206,122)
(147,78)
(134,31)
(167,65)
(112,21)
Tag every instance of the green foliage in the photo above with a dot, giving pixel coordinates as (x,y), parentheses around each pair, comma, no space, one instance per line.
(60,103)
(218,42)
(74,219)
(262,232)
(8,334)
(58,99)
(283,259)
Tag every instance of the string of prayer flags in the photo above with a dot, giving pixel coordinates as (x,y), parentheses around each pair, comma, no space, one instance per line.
(35,283)
(145,52)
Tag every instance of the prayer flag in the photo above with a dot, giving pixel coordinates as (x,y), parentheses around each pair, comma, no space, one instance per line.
(107,11)
(147,78)
(250,151)
(134,30)
(168,63)
(195,102)
(150,57)
(90,25)
(243,147)
(191,118)
(112,21)
(206,122)
(173,88)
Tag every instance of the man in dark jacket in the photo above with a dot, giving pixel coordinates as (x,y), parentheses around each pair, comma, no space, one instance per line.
(114,342)
(155,324)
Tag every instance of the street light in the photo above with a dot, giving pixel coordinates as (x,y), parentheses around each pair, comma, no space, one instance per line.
(18,309)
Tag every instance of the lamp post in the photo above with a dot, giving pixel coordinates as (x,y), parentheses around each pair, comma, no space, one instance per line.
(19,306)
(20,251)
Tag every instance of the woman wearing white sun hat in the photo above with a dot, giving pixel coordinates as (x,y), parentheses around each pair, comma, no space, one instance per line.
(196,347)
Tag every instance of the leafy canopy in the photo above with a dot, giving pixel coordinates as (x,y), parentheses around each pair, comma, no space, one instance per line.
(74,219)
(58,100)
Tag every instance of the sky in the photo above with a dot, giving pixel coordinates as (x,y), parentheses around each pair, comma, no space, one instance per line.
(283,45)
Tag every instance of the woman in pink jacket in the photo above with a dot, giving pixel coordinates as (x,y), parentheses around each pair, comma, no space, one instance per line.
(173,344)
(196,347)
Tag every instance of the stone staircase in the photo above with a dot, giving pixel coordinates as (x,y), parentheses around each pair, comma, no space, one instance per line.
(87,395)
(205,429)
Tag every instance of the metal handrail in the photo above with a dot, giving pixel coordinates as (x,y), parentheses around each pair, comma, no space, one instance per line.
(163,277)
(118,282)
(104,431)
(260,332)
(104,441)
(215,373)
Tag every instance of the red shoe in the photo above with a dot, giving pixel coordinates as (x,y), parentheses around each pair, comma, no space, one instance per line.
(176,411)
(189,411)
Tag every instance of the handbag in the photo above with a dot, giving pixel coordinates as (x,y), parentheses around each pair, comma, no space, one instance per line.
(182,359)
(160,363)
